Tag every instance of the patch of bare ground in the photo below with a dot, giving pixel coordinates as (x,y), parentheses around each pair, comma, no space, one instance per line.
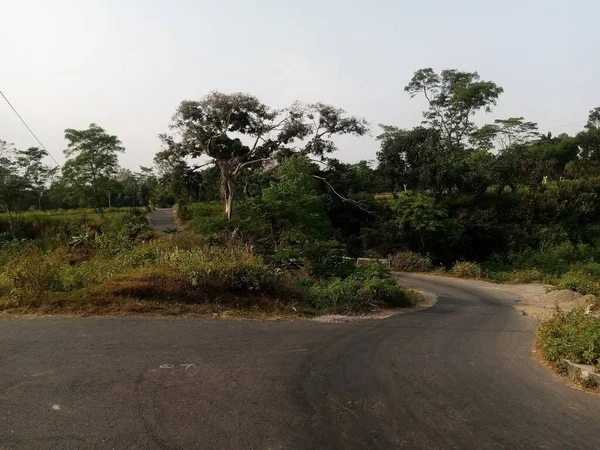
(534,300)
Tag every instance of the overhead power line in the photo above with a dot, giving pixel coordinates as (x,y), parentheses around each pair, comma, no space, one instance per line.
(29,129)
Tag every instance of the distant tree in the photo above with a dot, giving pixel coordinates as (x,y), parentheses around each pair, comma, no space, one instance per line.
(14,188)
(92,162)
(504,133)
(37,174)
(235,131)
(589,138)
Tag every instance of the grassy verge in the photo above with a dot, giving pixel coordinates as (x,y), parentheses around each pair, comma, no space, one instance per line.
(121,271)
(573,336)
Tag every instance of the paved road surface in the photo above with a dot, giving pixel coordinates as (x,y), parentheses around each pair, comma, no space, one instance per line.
(161,219)
(456,376)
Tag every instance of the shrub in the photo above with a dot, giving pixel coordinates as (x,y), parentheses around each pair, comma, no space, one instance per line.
(524,276)
(327,259)
(580,281)
(410,262)
(367,288)
(121,232)
(466,270)
(34,275)
(209,224)
(573,335)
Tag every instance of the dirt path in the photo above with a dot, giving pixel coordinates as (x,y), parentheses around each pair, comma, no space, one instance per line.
(162,218)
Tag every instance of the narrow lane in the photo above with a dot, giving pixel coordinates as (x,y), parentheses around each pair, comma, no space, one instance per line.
(161,219)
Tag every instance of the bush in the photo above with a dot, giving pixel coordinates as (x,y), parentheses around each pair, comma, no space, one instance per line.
(410,262)
(121,232)
(573,335)
(581,281)
(367,288)
(466,270)
(327,259)
(34,275)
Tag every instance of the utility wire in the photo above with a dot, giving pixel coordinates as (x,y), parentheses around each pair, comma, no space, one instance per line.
(29,129)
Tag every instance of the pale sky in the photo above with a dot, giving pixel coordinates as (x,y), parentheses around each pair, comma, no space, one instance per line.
(126,65)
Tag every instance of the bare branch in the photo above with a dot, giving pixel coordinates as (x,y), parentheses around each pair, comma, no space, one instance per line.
(345,199)
(241,165)
(202,165)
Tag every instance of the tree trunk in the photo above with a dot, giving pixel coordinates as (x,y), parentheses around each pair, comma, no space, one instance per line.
(39,202)
(227,168)
(228,198)
(109,202)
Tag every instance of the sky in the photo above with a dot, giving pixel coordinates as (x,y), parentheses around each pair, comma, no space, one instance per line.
(126,65)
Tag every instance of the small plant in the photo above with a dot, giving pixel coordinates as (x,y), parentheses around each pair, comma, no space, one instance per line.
(466,270)
(410,262)
(172,230)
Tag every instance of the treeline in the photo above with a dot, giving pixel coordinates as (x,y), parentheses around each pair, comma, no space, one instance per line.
(90,177)
(503,194)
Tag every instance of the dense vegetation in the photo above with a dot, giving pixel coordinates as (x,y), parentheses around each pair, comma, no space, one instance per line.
(272,214)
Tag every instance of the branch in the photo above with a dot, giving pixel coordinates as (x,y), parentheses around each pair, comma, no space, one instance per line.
(237,169)
(202,165)
(345,199)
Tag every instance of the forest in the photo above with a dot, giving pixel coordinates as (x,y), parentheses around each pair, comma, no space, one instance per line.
(269,217)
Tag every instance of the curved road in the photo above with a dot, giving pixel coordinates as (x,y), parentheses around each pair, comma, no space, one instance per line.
(459,375)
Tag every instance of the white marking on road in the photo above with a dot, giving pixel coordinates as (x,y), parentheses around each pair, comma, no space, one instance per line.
(187,366)
(55,408)
(167,366)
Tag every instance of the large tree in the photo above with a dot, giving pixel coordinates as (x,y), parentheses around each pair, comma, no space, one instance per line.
(453,97)
(92,162)
(235,131)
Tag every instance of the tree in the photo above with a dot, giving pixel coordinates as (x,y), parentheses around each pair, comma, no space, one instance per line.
(14,188)
(428,221)
(236,130)
(504,133)
(589,138)
(453,97)
(36,173)
(93,161)
(412,159)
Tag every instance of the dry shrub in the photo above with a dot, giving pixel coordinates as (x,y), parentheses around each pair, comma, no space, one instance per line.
(410,262)
(34,275)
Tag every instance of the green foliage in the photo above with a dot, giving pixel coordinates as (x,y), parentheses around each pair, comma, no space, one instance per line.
(466,270)
(573,335)
(410,262)
(364,290)
(288,213)
(328,259)
(426,220)
(122,231)
(583,279)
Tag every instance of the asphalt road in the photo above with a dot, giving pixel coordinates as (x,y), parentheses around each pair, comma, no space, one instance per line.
(459,375)
(161,219)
